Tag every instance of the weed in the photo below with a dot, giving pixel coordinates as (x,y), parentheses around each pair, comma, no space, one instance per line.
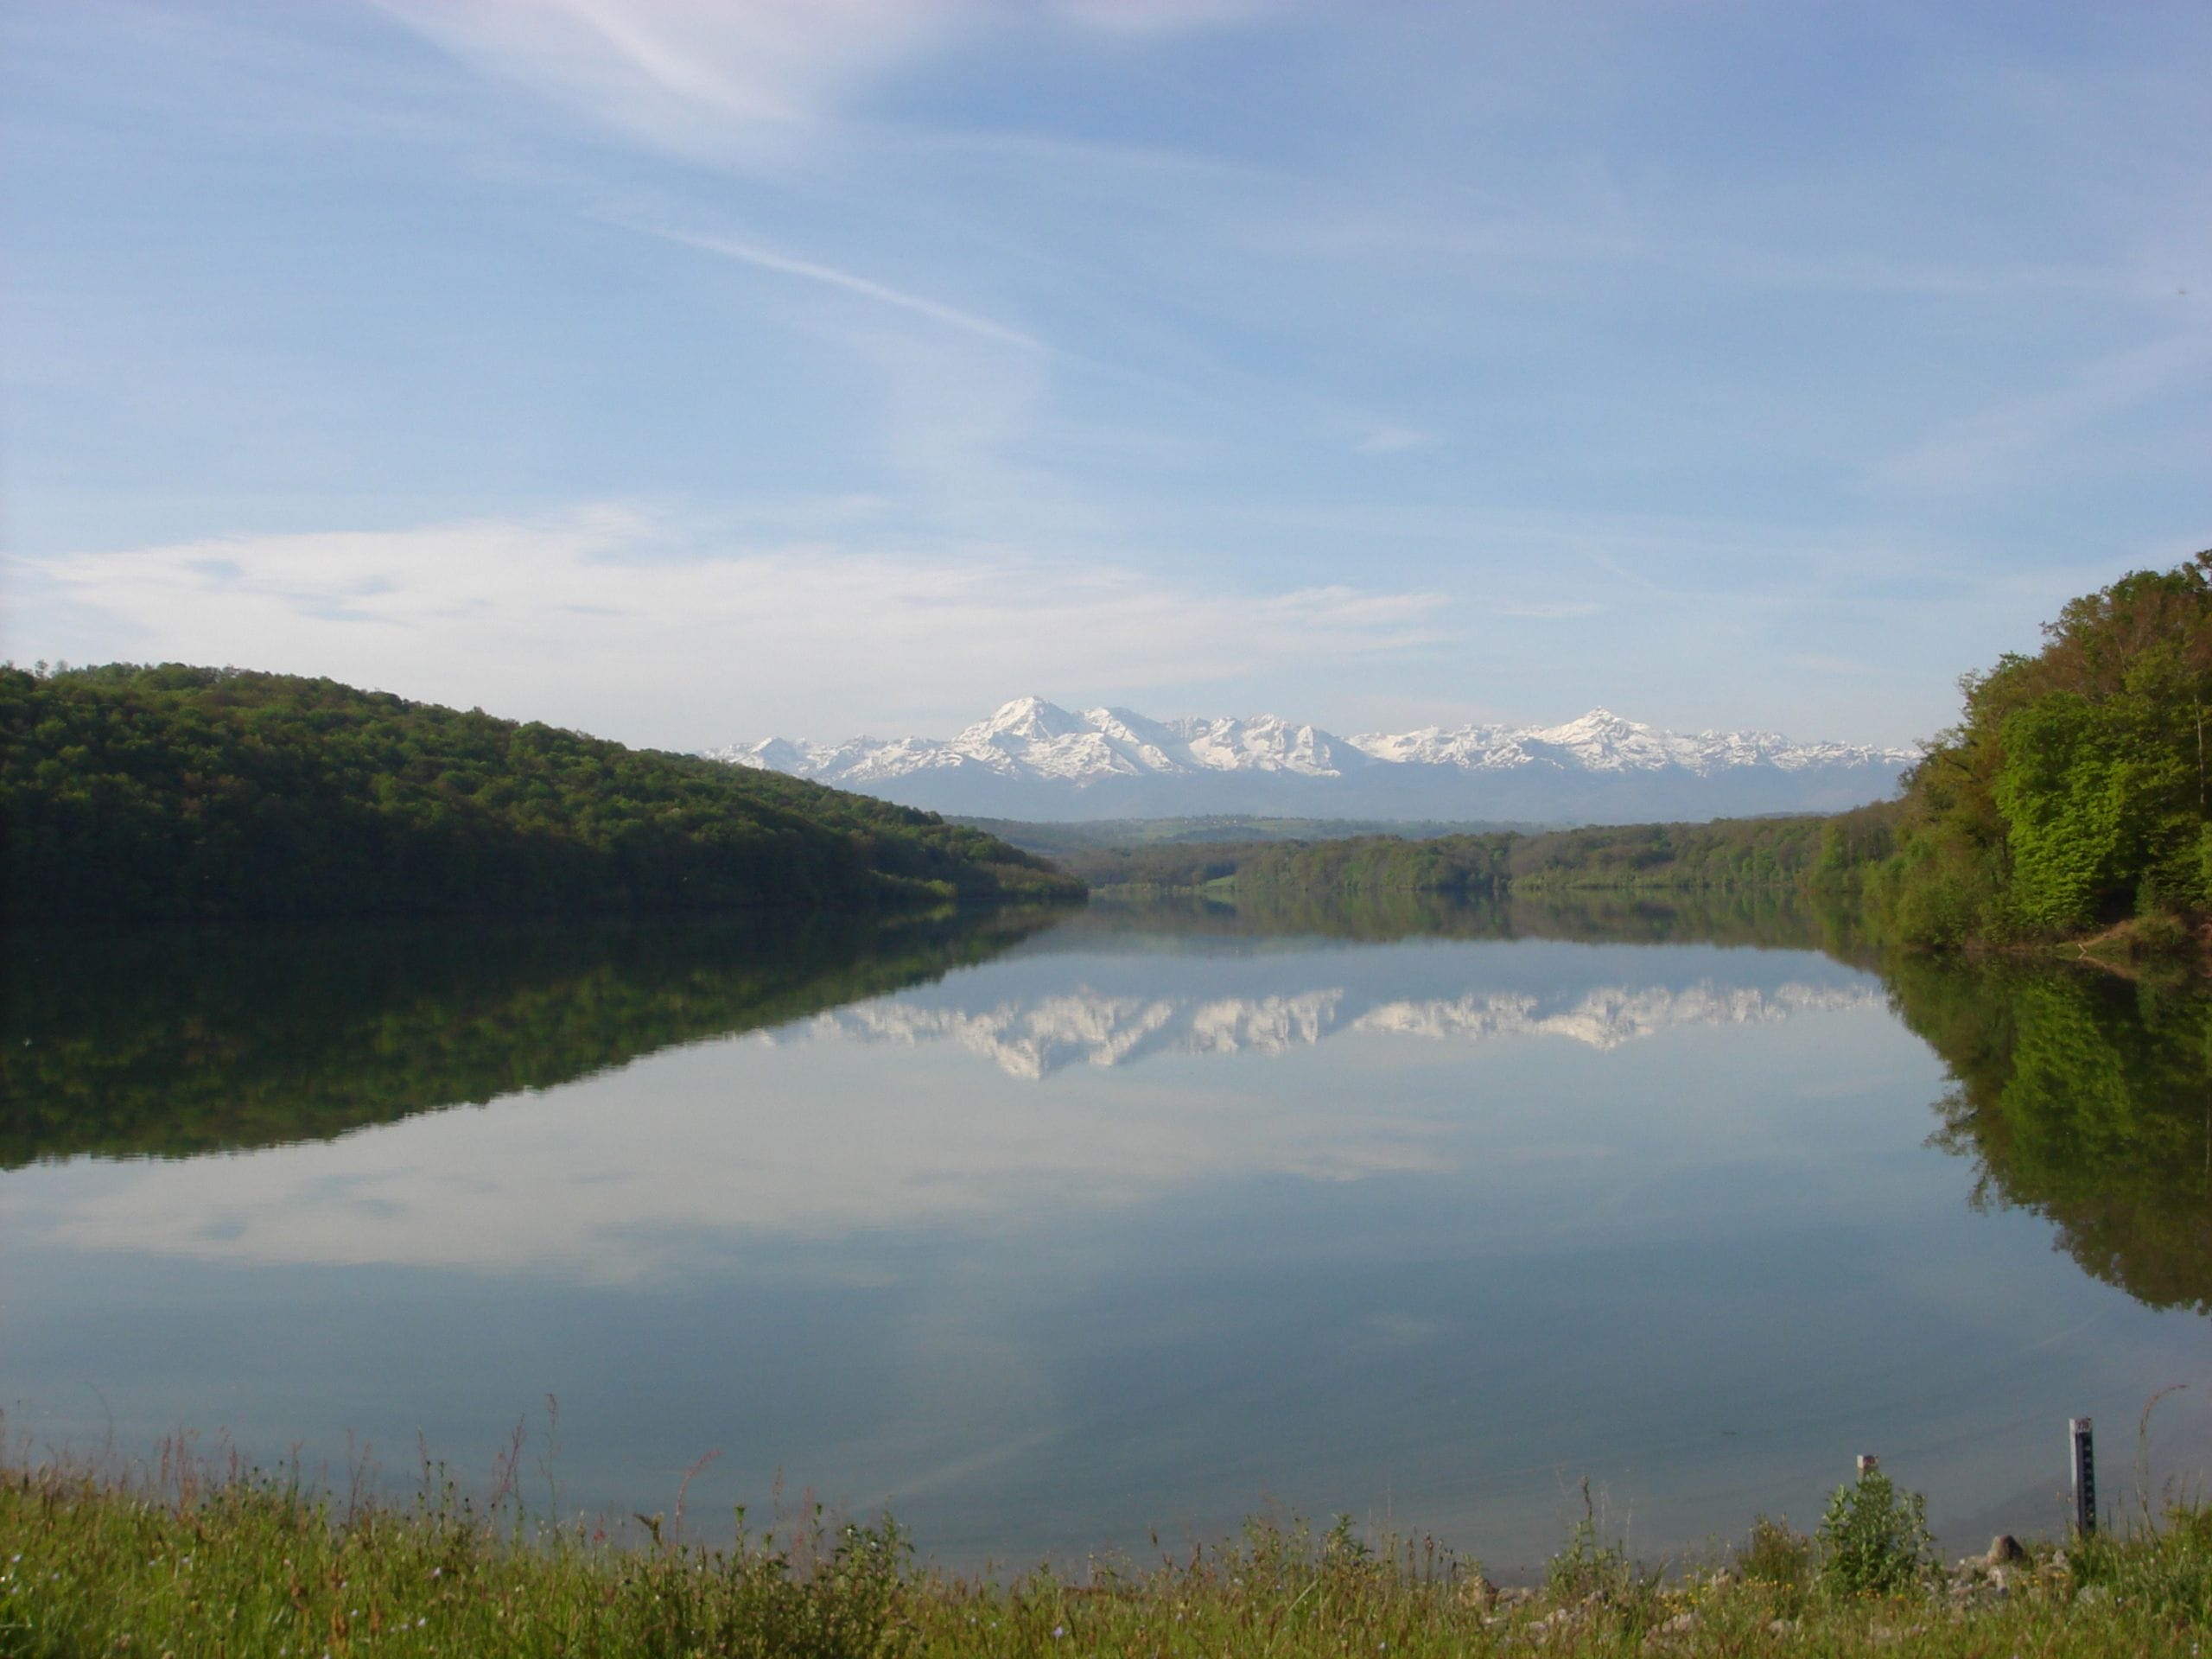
(1874,1540)
(1778,1555)
(1593,1568)
(2165,1572)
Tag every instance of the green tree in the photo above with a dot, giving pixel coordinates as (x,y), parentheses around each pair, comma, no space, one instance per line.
(2077,789)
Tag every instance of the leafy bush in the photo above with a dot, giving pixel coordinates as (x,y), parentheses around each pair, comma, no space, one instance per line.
(1874,1540)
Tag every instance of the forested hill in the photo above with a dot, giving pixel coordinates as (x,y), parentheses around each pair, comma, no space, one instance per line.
(129,792)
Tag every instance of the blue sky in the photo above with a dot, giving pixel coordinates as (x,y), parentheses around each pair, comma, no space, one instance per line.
(689,372)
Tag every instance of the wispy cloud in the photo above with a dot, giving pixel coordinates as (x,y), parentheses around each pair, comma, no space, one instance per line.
(882,293)
(702,79)
(1994,445)
(1813,662)
(586,619)
(1153,17)
(1389,440)
(1563,611)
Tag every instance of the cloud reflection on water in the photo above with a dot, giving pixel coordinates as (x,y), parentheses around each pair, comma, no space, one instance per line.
(820,1133)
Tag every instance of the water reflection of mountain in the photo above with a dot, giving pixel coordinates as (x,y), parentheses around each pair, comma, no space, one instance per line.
(2088,1099)
(2085,1098)
(1036,1038)
(175,1041)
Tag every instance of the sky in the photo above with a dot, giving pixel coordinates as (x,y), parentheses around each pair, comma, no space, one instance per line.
(686,373)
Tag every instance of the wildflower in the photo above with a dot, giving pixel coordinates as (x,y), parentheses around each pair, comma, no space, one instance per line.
(1059,1629)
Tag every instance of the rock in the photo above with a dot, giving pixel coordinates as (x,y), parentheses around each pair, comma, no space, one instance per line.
(2002,1548)
(1679,1625)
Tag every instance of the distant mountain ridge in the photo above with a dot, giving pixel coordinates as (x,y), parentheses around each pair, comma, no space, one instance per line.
(1034,759)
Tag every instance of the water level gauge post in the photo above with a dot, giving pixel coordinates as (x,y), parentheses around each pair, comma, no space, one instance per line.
(2084,1459)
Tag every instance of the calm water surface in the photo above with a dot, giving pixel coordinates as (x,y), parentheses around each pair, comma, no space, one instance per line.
(1052,1236)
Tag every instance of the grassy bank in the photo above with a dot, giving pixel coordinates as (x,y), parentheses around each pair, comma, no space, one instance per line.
(243,1565)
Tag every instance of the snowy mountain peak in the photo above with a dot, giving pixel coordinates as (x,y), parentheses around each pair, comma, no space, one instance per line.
(1266,743)
(1030,718)
(772,755)
(1598,723)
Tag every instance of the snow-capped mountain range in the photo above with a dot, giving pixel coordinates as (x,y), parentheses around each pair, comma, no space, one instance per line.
(1034,760)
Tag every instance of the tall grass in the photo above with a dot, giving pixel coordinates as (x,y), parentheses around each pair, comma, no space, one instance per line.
(190,1560)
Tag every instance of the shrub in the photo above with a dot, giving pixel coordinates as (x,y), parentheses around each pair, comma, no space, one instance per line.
(1873,1538)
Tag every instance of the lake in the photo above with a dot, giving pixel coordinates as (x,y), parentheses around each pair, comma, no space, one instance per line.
(1063,1234)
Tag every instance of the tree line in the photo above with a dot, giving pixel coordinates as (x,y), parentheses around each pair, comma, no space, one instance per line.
(1727,853)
